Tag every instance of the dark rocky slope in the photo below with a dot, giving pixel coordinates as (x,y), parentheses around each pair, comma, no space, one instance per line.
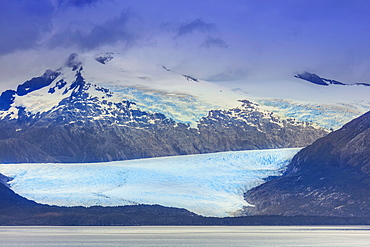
(10,200)
(16,211)
(313,78)
(331,177)
(78,139)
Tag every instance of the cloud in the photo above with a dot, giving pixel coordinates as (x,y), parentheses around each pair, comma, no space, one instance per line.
(23,23)
(230,74)
(214,42)
(329,38)
(107,33)
(77,3)
(197,25)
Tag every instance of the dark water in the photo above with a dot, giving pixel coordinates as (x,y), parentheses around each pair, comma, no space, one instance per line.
(219,236)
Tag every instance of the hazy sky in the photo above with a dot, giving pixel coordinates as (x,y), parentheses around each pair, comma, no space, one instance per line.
(209,39)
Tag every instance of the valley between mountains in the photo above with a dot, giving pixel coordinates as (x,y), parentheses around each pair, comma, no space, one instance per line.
(96,142)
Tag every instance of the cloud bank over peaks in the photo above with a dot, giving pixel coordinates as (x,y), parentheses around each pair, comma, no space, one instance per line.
(23,24)
(110,32)
(205,39)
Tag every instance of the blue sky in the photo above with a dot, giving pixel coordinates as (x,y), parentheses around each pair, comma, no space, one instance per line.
(218,39)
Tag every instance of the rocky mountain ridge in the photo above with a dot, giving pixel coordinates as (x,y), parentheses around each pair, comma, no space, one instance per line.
(328,178)
(316,79)
(84,122)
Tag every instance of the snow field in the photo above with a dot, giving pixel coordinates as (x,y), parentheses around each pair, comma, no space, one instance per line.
(206,184)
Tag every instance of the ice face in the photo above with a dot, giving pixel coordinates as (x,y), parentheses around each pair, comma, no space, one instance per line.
(206,184)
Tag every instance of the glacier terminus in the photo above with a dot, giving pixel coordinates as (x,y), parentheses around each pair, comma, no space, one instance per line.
(206,184)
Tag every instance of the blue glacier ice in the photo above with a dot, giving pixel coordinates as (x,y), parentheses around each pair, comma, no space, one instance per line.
(182,108)
(328,116)
(206,184)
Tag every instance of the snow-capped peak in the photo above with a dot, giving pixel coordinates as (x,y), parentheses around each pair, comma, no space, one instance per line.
(112,77)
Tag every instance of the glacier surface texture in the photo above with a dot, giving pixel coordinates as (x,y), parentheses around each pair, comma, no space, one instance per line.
(206,184)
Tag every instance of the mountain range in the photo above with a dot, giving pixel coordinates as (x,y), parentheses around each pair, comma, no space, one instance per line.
(62,117)
(98,109)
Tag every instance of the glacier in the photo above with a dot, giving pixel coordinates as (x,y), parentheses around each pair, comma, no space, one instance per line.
(183,108)
(206,184)
(328,116)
